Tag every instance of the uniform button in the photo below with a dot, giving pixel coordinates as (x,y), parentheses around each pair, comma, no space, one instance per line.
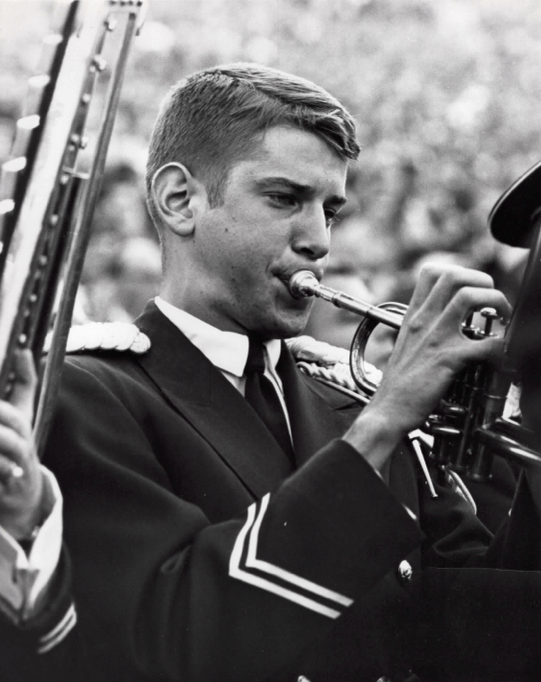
(302,678)
(405,572)
(384,679)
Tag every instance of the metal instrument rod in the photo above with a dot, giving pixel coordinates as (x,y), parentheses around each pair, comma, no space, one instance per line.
(303,283)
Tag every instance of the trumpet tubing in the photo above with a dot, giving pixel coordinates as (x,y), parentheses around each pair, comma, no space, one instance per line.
(303,283)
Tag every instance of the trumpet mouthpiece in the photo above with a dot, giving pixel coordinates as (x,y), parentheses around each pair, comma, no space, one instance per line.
(303,283)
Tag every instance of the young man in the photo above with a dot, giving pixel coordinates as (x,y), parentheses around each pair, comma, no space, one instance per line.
(196,547)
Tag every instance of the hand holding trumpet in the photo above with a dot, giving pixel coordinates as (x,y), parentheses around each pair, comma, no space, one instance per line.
(430,350)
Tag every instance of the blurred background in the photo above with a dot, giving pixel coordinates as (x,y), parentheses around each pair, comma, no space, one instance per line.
(446,95)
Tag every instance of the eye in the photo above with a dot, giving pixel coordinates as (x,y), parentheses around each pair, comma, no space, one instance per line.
(331,216)
(283,200)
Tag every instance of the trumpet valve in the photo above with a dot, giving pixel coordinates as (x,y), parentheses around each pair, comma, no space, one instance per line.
(490,315)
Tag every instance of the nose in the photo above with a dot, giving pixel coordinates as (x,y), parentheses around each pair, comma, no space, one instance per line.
(311,235)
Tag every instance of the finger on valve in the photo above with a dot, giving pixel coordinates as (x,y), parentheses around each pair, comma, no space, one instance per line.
(439,284)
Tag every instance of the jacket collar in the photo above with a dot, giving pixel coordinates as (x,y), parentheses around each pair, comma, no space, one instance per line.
(202,395)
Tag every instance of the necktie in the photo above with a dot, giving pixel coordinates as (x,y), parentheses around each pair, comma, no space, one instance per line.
(262,396)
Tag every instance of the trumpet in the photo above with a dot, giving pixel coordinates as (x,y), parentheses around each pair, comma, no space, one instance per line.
(303,283)
(468,428)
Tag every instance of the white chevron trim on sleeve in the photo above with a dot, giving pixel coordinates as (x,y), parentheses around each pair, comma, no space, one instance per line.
(59,632)
(263,566)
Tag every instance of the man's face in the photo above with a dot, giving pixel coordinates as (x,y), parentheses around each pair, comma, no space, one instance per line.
(274,220)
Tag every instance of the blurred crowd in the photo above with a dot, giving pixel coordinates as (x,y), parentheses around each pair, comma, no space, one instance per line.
(446,97)
(123,263)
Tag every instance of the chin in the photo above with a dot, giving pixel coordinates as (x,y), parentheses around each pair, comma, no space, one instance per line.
(279,321)
(289,328)
(281,328)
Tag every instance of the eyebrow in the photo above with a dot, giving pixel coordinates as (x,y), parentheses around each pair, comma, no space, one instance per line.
(270,182)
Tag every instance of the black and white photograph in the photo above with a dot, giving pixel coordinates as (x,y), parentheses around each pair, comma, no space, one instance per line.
(270,341)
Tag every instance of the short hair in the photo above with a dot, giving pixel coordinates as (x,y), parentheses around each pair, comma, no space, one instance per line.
(209,120)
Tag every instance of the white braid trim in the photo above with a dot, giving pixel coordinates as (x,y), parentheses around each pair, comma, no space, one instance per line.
(329,364)
(120,336)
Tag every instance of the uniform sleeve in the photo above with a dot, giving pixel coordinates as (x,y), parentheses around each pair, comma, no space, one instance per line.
(163,592)
(46,646)
(24,577)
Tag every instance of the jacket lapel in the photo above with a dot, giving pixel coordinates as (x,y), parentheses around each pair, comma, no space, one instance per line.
(318,414)
(202,395)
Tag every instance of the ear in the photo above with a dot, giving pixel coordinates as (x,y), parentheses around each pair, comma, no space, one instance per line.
(177,196)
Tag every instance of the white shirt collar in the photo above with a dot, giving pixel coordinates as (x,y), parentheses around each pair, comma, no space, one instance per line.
(226,350)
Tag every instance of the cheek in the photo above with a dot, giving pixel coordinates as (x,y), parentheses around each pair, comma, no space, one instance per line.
(239,245)
(249,252)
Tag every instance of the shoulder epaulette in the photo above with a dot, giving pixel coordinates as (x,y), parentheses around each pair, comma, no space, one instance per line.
(329,364)
(119,336)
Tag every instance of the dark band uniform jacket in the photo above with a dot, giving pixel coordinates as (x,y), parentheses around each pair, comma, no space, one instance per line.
(194,553)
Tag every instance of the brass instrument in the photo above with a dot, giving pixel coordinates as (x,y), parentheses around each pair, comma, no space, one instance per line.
(48,189)
(303,283)
(468,428)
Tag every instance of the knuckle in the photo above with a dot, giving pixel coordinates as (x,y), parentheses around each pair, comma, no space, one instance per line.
(460,277)
(473,296)
(414,323)
(428,269)
(463,297)
(432,271)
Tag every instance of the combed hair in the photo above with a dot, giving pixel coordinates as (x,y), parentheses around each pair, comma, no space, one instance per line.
(209,121)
